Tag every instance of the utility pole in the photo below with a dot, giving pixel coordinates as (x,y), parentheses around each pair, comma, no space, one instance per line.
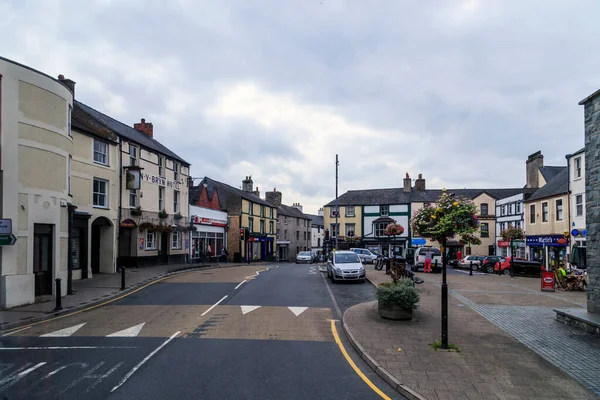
(337,206)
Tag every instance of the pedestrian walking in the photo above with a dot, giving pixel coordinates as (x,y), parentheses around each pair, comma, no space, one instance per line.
(427,264)
(224,254)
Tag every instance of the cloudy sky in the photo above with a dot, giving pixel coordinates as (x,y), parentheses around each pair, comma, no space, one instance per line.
(458,90)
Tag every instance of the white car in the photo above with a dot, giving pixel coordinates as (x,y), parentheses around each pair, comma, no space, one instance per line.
(365,255)
(345,266)
(305,257)
(436,255)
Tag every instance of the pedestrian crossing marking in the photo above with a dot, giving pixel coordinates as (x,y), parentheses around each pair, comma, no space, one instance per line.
(64,332)
(297,310)
(129,332)
(247,309)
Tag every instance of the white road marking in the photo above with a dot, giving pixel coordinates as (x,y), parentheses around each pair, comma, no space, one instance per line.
(18,330)
(66,348)
(247,309)
(474,273)
(64,332)
(11,380)
(241,283)
(129,332)
(145,359)
(213,306)
(297,310)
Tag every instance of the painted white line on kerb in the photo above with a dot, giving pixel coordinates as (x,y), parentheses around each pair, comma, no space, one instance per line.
(18,330)
(67,348)
(241,283)
(143,361)
(213,306)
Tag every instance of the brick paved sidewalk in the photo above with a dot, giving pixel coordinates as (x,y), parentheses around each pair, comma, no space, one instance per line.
(491,363)
(89,291)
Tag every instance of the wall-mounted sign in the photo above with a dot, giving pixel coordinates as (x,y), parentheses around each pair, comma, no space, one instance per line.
(128,223)
(503,243)
(133,179)
(141,243)
(5,226)
(575,232)
(157,180)
(546,240)
(207,221)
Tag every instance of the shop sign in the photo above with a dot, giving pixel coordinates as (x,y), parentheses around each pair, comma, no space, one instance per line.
(157,180)
(502,243)
(548,240)
(548,281)
(128,223)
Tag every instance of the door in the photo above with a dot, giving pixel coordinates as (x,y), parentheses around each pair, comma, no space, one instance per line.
(164,248)
(96,249)
(42,258)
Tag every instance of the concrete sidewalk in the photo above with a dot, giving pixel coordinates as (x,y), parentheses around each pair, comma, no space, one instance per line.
(495,322)
(87,292)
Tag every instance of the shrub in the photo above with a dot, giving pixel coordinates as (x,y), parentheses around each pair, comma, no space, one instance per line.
(402,294)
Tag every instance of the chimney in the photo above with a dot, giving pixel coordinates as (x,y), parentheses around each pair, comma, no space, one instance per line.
(420,183)
(256,192)
(273,197)
(532,167)
(298,206)
(247,184)
(68,83)
(144,127)
(407,184)
(321,212)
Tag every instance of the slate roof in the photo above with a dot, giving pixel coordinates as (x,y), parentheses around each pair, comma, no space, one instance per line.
(317,219)
(289,211)
(557,186)
(550,172)
(226,190)
(128,132)
(83,122)
(577,152)
(372,197)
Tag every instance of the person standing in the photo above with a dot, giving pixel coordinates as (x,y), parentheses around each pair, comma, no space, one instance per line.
(224,254)
(427,264)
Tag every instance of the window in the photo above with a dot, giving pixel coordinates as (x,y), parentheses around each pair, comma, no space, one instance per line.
(100,152)
(318,242)
(484,209)
(380,228)
(333,229)
(69,175)
(350,230)
(579,205)
(285,220)
(385,210)
(308,235)
(511,209)
(176,240)
(270,212)
(150,240)
(262,211)
(133,155)
(577,167)
(132,198)
(545,212)
(251,225)
(518,207)
(262,226)
(100,193)
(297,221)
(485,229)
(503,210)
(285,234)
(69,119)
(161,166)
(297,235)
(532,214)
(250,207)
(175,171)
(271,228)
(349,211)
(304,234)
(559,210)
(161,198)
(175,201)
(518,225)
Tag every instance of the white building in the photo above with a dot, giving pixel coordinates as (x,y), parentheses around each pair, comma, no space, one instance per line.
(317,234)
(576,163)
(209,234)
(510,213)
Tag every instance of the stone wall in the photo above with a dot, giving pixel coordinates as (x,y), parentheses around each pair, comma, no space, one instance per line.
(592,200)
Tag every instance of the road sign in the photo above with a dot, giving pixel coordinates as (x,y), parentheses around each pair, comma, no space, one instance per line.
(5,226)
(7,240)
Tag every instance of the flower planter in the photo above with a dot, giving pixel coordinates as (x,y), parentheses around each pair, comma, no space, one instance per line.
(394,312)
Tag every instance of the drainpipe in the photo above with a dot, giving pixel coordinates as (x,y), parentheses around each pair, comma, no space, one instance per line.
(568,156)
(70,210)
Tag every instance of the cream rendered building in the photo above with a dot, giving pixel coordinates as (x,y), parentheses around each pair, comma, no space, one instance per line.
(36,145)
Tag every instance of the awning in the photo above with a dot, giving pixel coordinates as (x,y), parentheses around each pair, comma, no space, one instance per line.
(384,219)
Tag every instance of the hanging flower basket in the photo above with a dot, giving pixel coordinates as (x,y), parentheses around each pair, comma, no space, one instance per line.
(512,234)
(162,214)
(146,226)
(136,211)
(394,229)
(177,216)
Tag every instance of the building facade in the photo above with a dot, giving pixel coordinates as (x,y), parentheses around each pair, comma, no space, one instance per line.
(35,130)
(577,222)
(209,234)
(510,213)
(317,231)
(293,227)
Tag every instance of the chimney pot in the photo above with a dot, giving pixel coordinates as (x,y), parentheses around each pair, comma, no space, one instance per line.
(67,83)
(144,127)
(420,183)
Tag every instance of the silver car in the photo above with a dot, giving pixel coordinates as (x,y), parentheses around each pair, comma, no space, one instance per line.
(365,255)
(305,257)
(345,266)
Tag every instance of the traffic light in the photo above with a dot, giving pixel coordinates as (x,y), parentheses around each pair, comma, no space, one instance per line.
(242,234)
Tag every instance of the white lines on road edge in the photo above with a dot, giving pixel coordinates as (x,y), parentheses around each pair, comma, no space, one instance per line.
(241,283)
(213,306)
(258,273)
(144,360)
(64,332)
(18,330)
(297,310)
(129,332)
(67,347)
(247,309)
(10,380)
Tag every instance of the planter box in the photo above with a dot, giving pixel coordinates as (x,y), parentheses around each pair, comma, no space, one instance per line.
(394,312)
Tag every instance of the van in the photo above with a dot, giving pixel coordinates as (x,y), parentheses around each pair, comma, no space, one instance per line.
(436,255)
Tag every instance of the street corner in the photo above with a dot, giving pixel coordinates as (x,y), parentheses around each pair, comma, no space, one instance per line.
(265,323)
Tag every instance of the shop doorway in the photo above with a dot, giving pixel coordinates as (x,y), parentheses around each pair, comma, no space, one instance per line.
(43,266)
(164,248)
(102,245)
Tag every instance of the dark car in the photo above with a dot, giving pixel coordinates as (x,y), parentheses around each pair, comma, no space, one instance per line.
(488,263)
(521,267)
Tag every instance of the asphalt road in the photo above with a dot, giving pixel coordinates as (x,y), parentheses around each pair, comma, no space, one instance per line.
(249,332)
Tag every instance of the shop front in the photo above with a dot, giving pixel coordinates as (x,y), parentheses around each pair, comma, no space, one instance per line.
(385,246)
(504,249)
(260,247)
(209,235)
(550,250)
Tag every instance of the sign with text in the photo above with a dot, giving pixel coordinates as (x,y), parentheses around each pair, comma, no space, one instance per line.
(133,179)
(8,240)
(546,240)
(157,180)
(5,226)
(547,281)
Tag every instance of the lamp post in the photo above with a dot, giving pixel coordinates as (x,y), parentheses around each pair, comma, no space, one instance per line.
(444,298)
(337,206)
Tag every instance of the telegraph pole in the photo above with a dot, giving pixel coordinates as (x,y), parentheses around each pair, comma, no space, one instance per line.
(337,206)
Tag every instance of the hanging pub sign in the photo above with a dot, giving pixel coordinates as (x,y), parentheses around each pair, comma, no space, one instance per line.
(133,179)
(128,223)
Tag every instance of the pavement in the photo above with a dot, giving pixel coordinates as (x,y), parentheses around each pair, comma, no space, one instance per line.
(269,331)
(510,344)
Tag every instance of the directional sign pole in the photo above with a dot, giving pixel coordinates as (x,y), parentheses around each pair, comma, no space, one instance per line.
(8,240)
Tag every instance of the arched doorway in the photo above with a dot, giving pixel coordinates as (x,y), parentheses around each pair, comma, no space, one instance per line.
(102,251)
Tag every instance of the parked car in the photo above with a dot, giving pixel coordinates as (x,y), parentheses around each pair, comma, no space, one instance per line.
(520,267)
(466,262)
(365,255)
(345,265)
(436,255)
(304,257)
(488,263)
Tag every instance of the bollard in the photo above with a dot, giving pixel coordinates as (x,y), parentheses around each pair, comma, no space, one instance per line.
(58,294)
(123,277)
(470,268)
(435,265)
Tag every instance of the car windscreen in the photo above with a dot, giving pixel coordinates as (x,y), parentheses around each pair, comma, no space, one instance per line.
(434,252)
(346,258)
(304,253)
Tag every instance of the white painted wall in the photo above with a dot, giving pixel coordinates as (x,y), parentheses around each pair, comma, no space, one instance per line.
(371,209)
(517,218)
(368,224)
(577,188)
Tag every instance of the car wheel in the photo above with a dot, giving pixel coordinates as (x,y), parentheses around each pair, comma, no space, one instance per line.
(506,271)
(474,267)
(490,269)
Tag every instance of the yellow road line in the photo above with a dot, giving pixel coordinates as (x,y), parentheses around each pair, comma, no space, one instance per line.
(353,365)
(97,305)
